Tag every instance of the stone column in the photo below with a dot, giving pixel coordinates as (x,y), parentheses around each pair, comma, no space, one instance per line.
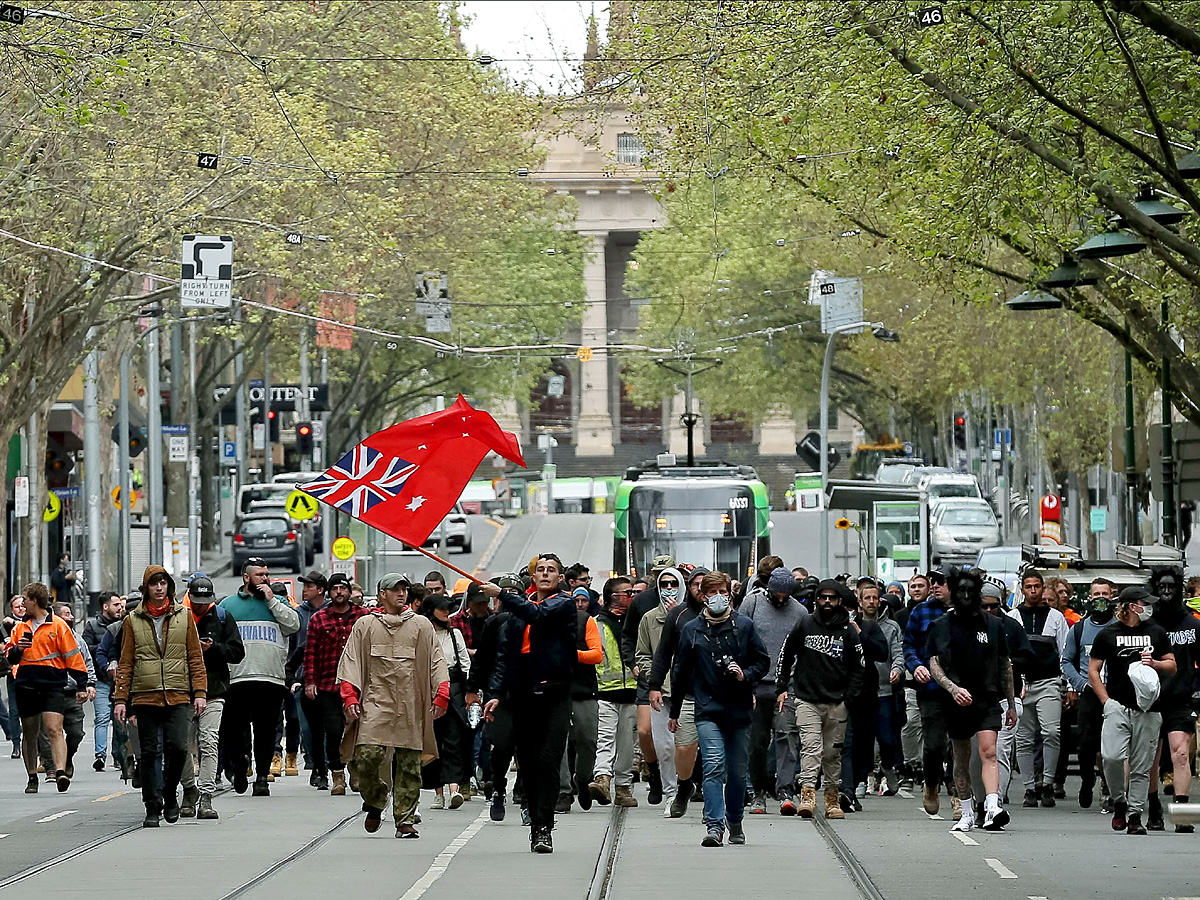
(777,433)
(677,434)
(594,432)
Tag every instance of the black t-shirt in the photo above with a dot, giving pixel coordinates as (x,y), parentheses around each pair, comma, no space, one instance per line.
(1119,646)
(1183,631)
(973,652)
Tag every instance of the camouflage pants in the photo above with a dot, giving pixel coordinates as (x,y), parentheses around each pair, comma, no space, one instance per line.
(369,760)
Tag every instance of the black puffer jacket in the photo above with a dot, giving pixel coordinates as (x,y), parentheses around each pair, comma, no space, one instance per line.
(219,626)
(550,663)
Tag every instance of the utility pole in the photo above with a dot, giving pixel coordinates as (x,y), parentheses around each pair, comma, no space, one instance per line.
(154,473)
(124,544)
(240,407)
(690,418)
(324,455)
(1170,507)
(36,525)
(91,466)
(268,447)
(1132,532)
(302,405)
(193,464)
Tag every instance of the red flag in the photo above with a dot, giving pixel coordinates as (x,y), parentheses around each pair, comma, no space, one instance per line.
(405,479)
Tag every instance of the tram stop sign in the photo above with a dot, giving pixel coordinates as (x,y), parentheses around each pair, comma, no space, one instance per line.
(300,506)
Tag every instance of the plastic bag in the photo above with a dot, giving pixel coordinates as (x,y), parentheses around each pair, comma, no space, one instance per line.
(1146,685)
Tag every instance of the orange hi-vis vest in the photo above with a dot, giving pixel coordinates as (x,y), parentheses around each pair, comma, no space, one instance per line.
(53,658)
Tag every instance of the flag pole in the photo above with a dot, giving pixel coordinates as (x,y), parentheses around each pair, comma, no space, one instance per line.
(446,563)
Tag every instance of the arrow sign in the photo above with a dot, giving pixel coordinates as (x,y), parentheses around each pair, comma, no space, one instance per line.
(301,506)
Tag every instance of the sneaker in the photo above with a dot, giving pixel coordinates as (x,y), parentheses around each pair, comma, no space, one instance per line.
(322,781)
(1047,795)
(63,780)
(680,804)
(151,820)
(1085,796)
(861,790)
(966,823)
(541,841)
(736,834)
(439,801)
(1185,829)
(32,786)
(1134,824)
(787,804)
(497,810)
(1031,800)
(1118,819)
(758,806)
(407,832)
(171,811)
(456,800)
(525,820)
(892,782)
(846,802)
(1154,821)
(563,806)
(995,819)
(16,751)
(98,764)
(373,820)
(714,838)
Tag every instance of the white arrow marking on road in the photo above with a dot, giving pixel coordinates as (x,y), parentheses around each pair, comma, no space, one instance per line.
(970,842)
(57,815)
(442,861)
(1002,870)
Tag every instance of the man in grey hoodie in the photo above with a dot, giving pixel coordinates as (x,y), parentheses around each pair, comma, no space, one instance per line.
(775,612)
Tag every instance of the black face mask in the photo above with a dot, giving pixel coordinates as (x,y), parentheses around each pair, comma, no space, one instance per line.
(778,600)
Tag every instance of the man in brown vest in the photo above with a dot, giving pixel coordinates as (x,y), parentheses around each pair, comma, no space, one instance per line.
(162,681)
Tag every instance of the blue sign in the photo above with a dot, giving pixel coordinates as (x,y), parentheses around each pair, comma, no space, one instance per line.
(67,493)
(908,448)
(174,429)
(1002,437)
(228,452)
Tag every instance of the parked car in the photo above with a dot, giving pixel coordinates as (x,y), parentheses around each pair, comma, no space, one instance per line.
(897,469)
(455,530)
(294,479)
(268,535)
(1003,563)
(961,527)
(944,486)
(303,527)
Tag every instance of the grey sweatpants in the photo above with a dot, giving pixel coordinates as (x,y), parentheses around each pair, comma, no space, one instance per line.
(1128,734)
(1042,714)
(911,742)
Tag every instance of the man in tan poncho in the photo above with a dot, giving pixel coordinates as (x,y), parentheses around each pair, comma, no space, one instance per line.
(394,682)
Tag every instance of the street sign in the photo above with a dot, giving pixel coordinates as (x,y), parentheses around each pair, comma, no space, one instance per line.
(550,472)
(177,446)
(503,488)
(1099,521)
(433,294)
(301,506)
(13,15)
(584,354)
(53,508)
(174,429)
(207,274)
(808,448)
(1001,437)
(438,324)
(116,496)
(318,428)
(342,548)
(347,567)
(229,452)
(260,436)
(841,303)
(21,497)
(929,16)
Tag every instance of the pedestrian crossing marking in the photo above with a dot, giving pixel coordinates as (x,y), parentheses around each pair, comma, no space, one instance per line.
(1000,869)
(970,842)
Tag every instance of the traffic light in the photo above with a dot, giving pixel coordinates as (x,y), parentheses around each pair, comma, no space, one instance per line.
(273,426)
(137,439)
(304,438)
(960,432)
(59,463)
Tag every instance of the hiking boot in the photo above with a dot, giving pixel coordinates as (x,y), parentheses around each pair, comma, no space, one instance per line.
(1118,820)
(787,804)
(373,820)
(736,834)
(497,810)
(339,784)
(563,806)
(277,764)
(261,788)
(584,794)
(1154,821)
(599,791)
(930,801)
(204,810)
(289,766)
(1134,824)
(624,797)
(714,838)
(956,807)
(758,805)
(1031,800)
(32,786)
(654,794)
(1047,796)
(191,797)
(808,801)
(680,804)
(151,820)
(833,806)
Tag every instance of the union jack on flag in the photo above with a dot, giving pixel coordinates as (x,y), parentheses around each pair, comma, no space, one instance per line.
(361,479)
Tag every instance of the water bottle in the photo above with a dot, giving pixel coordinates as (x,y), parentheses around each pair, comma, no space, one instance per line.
(474,715)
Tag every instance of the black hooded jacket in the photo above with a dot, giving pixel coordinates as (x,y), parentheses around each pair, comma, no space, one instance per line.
(822,662)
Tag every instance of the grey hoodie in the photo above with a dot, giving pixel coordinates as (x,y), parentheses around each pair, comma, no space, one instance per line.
(773,624)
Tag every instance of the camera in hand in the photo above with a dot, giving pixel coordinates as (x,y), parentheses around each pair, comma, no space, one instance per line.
(727,665)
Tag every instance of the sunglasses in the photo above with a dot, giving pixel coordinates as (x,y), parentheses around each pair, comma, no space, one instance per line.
(622,593)
(990,605)
(827,596)
(668,584)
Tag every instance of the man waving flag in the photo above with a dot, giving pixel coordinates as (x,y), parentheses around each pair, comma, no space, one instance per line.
(405,479)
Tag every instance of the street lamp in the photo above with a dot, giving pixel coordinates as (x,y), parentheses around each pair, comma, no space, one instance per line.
(881,333)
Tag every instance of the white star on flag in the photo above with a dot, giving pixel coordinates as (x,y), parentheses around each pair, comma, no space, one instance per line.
(414,504)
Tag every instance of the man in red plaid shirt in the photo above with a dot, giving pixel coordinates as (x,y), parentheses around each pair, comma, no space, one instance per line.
(328,631)
(472,617)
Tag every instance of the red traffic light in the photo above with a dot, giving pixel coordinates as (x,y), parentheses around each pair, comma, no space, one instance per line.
(304,430)
(960,421)
(270,414)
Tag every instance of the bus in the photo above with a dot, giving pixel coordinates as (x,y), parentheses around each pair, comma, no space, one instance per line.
(713,515)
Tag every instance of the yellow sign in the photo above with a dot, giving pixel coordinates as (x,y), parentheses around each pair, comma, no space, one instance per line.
(53,508)
(343,548)
(584,354)
(301,506)
(116,495)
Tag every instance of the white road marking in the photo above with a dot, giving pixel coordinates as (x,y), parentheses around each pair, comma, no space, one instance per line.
(111,796)
(935,816)
(3,836)
(1039,898)
(906,794)
(970,842)
(1002,870)
(442,861)
(57,815)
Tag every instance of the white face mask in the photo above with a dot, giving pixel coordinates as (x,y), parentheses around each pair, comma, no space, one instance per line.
(1145,613)
(717,603)
(669,594)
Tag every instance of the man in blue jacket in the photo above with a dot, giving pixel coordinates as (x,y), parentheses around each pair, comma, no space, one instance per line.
(719,660)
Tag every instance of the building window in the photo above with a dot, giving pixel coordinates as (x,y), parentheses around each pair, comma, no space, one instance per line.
(631,149)
(814,418)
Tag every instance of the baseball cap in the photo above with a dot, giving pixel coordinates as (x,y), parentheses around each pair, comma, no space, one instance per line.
(391,581)
(665,561)
(1135,593)
(510,581)
(201,588)
(279,589)
(315,577)
(337,578)
(991,589)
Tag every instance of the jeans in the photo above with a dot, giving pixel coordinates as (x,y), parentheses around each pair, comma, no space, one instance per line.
(1042,715)
(614,741)
(911,742)
(581,741)
(257,704)
(1128,734)
(287,732)
(204,734)
(102,706)
(822,731)
(540,725)
(326,723)
(172,722)
(774,744)
(887,732)
(724,750)
(858,748)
